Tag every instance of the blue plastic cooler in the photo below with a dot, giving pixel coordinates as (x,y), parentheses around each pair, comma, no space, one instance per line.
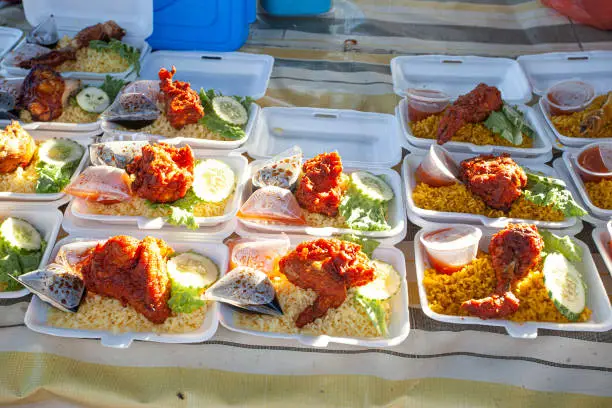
(208,25)
(296,7)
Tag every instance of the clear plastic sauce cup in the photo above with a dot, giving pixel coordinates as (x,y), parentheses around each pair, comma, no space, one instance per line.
(568,97)
(450,249)
(594,162)
(438,168)
(423,103)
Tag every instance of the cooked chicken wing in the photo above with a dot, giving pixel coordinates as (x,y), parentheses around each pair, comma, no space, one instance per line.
(51,59)
(182,104)
(319,189)
(16,148)
(99,32)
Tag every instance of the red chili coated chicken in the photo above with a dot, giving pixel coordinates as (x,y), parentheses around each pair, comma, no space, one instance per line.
(133,272)
(329,267)
(162,174)
(182,104)
(497,180)
(319,190)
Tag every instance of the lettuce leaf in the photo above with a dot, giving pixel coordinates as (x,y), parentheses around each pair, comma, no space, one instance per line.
(216,124)
(498,123)
(542,190)
(362,214)
(367,245)
(181,210)
(375,312)
(184,299)
(16,263)
(112,86)
(51,178)
(564,245)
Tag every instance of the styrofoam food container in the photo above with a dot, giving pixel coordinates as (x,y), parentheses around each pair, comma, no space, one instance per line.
(224,72)
(71,16)
(9,196)
(597,298)
(359,137)
(8,38)
(46,220)
(238,164)
(458,251)
(397,219)
(399,325)
(410,165)
(36,315)
(601,237)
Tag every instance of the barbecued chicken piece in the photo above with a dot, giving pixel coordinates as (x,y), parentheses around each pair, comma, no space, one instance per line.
(472,107)
(163,173)
(133,272)
(42,94)
(16,148)
(597,119)
(319,189)
(98,32)
(497,180)
(329,267)
(514,251)
(50,59)
(182,104)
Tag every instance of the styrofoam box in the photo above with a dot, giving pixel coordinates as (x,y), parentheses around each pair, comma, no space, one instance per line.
(36,315)
(601,237)
(46,220)
(597,298)
(399,325)
(232,73)
(238,164)
(411,163)
(397,214)
(9,196)
(71,16)
(8,38)
(541,144)
(359,137)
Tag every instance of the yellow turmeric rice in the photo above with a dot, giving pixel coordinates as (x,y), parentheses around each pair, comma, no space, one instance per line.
(457,198)
(162,126)
(600,193)
(446,293)
(137,206)
(70,114)
(90,60)
(475,133)
(569,125)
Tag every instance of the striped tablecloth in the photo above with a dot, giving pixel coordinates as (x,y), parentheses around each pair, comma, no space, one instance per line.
(439,365)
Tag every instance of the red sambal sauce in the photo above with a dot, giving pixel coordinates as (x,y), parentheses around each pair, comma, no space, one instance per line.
(591,160)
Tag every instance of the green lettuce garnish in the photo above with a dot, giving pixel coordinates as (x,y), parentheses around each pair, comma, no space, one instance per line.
(363,214)
(181,210)
(17,262)
(564,245)
(184,299)
(543,190)
(53,178)
(509,124)
(367,245)
(216,124)
(112,86)
(375,312)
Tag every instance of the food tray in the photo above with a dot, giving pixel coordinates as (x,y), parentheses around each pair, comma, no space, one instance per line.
(8,38)
(542,146)
(597,298)
(399,325)
(359,137)
(601,237)
(410,165)
(397,218)
(46,220)
(224,72)
(9,196)
(238,164)
(71,16)
(36,315)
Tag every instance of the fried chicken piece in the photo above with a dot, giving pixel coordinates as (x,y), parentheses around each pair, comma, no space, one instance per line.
(472,107)
(497,180)
(133,272)
(163,173)
(42,94)
(329,267)
(50,59)
(514,251)
(98,32)
(592,123)
(182,104)
(16,148)
(320,190)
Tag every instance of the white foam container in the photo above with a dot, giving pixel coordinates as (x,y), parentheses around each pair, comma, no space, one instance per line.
(47,198)
(71,16)
(544,70)
(397,212)
(399,325)
(232,73)
(409,166)
(8,38)
(601,237)
(238,163)
(597,298)
(36,315)
(47,220)
(359,137)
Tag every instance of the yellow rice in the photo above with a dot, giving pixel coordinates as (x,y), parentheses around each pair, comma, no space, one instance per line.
(22,180)
(162,127)
(600,193)
(103,313)
(90,60)
(445,293)
(70,114)
(475,133)
(569,125)
(457,198)
(137,206)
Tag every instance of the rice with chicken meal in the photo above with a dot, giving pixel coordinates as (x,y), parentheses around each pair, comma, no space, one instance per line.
(162,126)
(569,125)
(92,60)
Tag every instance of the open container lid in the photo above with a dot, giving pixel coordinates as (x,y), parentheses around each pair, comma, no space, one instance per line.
(232,73)
(456,75)
(135,16)
(8,38)
(544,70)
(362,139)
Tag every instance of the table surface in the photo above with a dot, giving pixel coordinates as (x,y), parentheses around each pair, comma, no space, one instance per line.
(439,364)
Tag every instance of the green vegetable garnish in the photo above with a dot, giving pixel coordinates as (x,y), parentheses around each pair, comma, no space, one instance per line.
(367,245)
(214,123)
(542,190)
(112,86)
(375,312)
(126,51)
(363,215)
(564,245)
(509,124)
(181,211)
(184,299)
(57,161)
(17,262)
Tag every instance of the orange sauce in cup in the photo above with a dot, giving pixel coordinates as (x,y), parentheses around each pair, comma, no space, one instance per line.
(591,160)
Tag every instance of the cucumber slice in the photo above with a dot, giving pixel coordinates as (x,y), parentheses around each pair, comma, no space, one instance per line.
(20,235)
(213,180)
(92,99)
(371,186)
(385,285)
(58,152)
(191,269)
(230,110)
(565,286)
